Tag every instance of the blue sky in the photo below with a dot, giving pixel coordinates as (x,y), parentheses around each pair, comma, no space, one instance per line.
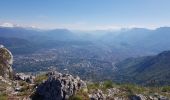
(86,14)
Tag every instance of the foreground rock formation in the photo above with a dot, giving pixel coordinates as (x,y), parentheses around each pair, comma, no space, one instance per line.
(58,87)
(6,60)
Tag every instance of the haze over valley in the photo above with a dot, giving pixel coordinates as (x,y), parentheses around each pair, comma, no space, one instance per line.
(91,56)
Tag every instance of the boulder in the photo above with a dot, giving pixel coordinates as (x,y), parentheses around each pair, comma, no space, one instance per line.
(138,97)
(24,77)
(6,61)
(58,87)
(97,95)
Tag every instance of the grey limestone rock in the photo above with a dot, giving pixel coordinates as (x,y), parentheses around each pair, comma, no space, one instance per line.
(58,87)
(6,61)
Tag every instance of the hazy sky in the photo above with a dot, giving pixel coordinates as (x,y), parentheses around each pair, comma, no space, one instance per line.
(86,14)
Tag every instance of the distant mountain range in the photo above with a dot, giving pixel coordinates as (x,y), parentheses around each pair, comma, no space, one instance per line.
(148,70)
(25,40)
(138,40)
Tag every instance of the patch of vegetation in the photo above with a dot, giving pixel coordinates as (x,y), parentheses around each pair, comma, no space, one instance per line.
(93,86)
(3,97)
(76,98)
(129,90)
(83,94)
(39,79)
(165,89)
(132,88)
(107,84)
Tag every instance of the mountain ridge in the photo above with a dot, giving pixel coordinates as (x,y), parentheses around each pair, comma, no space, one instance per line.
(146,69)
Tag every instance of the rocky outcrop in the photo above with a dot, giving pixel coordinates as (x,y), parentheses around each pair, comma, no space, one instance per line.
(6,61)
(58,87)
(97,95)
(24,77)
(138,97)
(119,94)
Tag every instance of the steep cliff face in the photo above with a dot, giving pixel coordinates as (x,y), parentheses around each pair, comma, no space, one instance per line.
(6,61)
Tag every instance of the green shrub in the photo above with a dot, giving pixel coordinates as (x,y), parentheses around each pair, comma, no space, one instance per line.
(93,86)
(3,97)
(75,98)
(40,78)
(132,88)
(165,89)
(108,84)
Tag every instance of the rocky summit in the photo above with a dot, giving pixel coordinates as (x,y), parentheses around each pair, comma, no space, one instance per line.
(58,87)
(6,60)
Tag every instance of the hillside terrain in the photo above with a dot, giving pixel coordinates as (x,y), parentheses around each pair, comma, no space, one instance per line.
(151,70)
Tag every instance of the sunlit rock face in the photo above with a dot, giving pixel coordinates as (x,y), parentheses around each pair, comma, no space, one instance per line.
(58,87)
(6,61)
